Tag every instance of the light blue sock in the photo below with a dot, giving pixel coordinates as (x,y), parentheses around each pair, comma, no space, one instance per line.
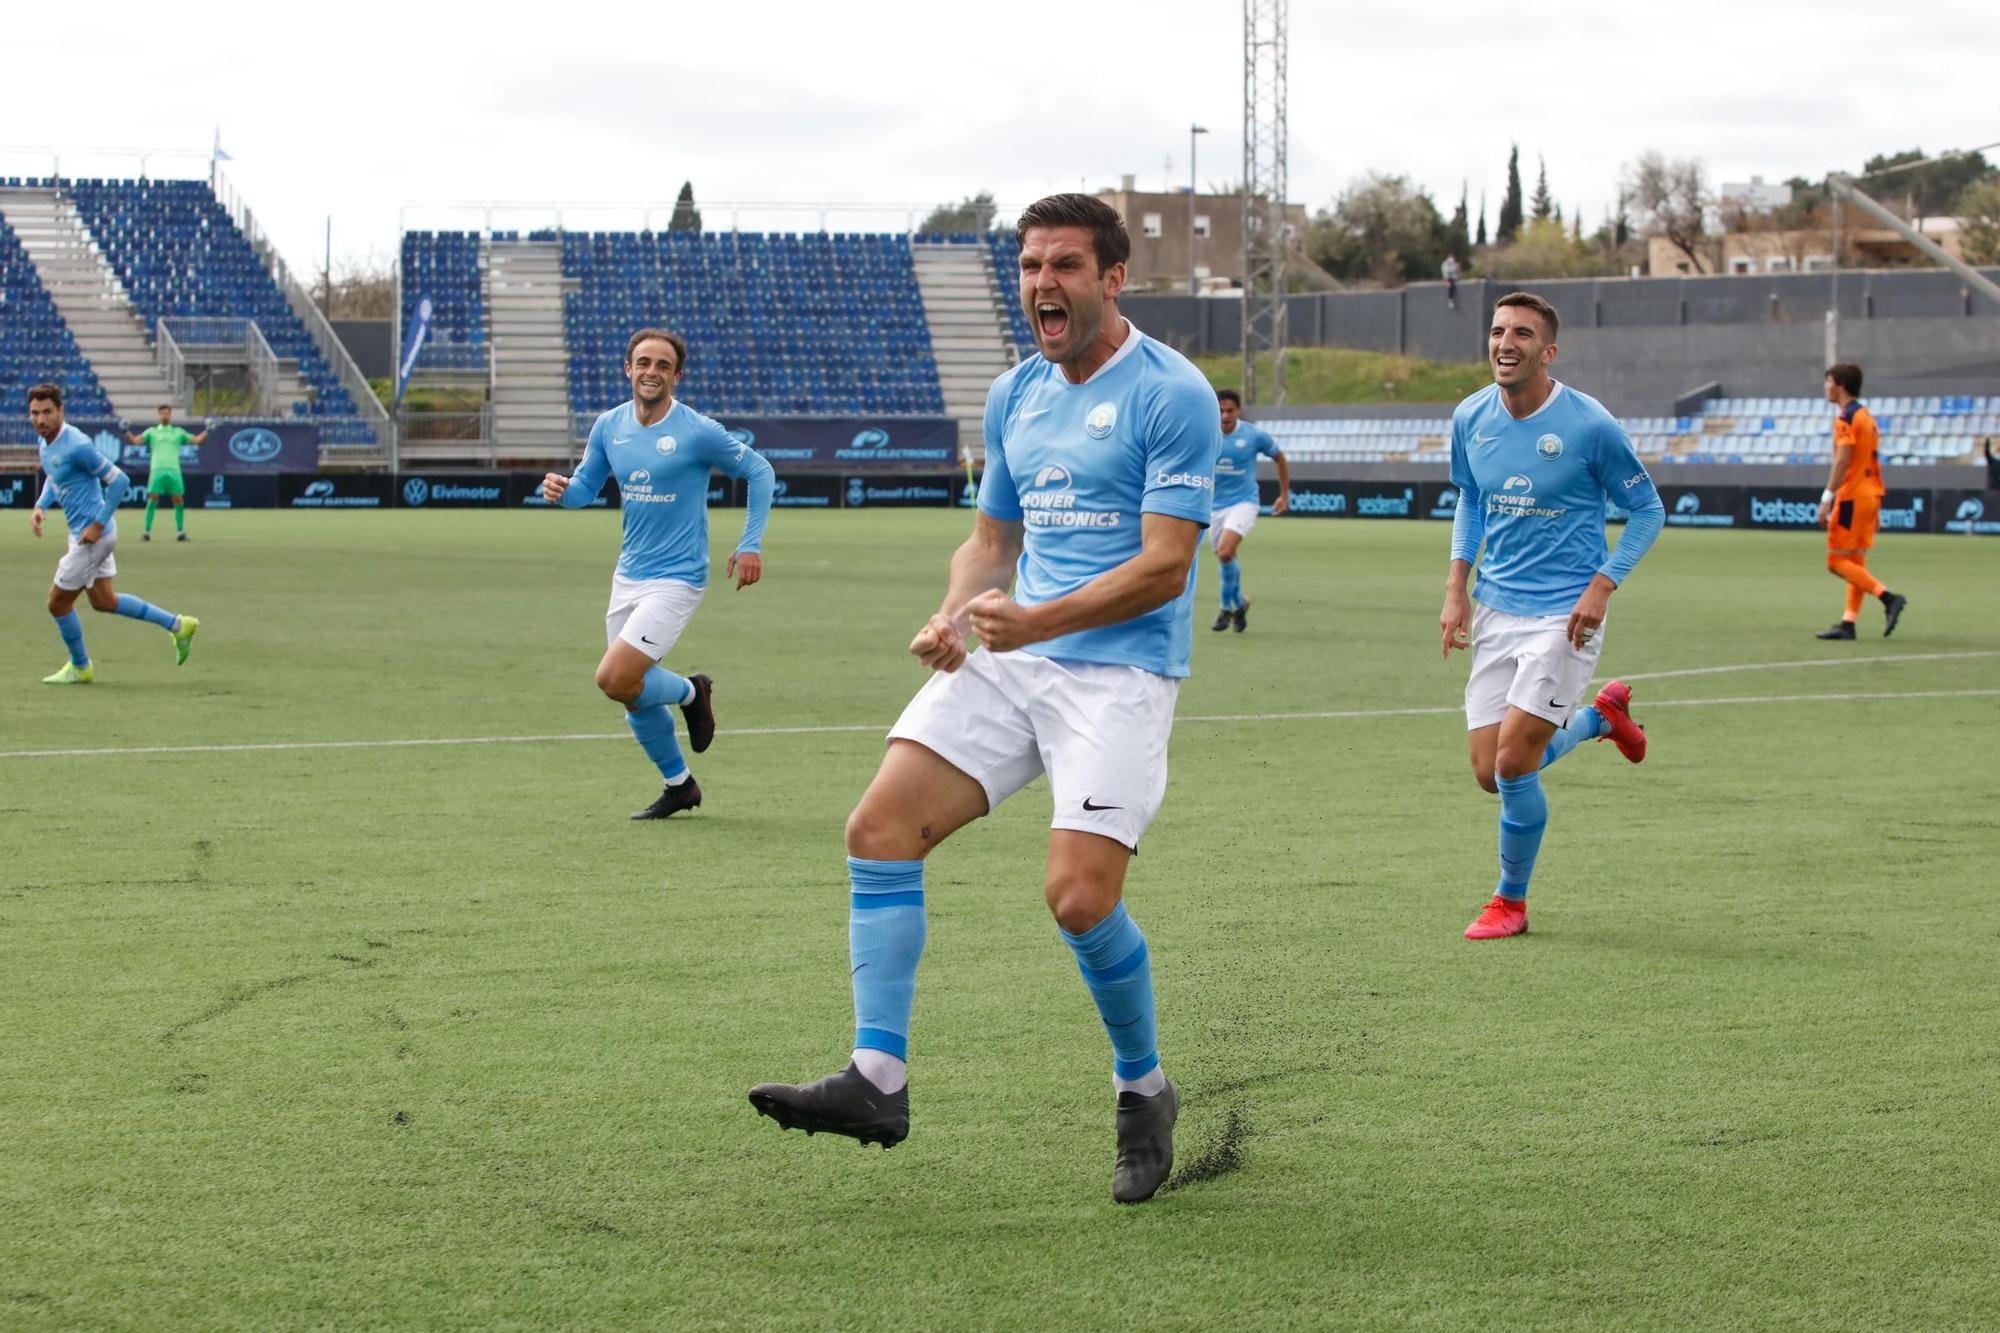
(140,609)
(70,626)
(1586,724)
(654,729)
(885,938)
(661,686)
(1524,813)
(1112,957)
(1232,584)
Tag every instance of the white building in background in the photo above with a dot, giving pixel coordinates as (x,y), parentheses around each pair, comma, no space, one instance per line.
(1755,196)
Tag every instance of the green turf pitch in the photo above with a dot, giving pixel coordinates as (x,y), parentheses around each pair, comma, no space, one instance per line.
(431,1036)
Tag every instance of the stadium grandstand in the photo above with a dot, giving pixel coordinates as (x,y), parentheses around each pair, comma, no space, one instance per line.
(1915,431)
(125,286)
(805,324)
(132,292)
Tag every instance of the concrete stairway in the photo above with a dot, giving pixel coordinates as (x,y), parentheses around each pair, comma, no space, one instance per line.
(968,330)
(524,318)
(89,297)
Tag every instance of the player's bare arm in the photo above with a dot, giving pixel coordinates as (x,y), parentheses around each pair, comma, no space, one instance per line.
(1283,504)
(1455,621)
(746,567)
(1588,616)
(35,517)
(1148,580)
(983,563)
(91,532)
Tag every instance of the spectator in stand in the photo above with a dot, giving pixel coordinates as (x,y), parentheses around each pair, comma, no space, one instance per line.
(1450,270)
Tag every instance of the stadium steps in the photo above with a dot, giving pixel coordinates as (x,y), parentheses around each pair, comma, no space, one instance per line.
(530,355)
(970,340)
(89,297)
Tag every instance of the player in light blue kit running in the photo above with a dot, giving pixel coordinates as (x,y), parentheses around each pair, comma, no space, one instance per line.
(1098,483)
(1236,454)
(90,488)
(1535,462)
(661,452)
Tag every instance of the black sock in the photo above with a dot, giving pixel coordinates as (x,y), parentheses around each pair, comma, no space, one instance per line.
(1885,595)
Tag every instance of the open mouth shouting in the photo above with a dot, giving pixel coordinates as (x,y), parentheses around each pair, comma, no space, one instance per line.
(1051,320)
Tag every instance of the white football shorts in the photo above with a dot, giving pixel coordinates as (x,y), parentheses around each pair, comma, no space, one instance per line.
(1099,731)
(1526,662)
(83,565)
(1238,519)
(649,614)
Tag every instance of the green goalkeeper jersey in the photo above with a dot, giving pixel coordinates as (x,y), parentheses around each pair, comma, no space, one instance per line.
(166,443)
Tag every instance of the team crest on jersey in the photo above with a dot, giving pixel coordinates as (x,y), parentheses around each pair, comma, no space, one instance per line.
(1100,421)
(668,444)
(1549,446)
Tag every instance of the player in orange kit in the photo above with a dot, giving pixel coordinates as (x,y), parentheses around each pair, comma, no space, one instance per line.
(1851,505)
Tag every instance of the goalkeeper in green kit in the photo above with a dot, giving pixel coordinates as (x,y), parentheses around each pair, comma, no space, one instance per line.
(164,476)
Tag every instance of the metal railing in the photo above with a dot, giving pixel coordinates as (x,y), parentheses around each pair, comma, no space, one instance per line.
(446,427)
(263,369)
(207,330)
(175,336)
(173,365)
(366,404)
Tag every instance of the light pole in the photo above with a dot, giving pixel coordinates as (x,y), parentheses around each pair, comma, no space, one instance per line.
(1194,284)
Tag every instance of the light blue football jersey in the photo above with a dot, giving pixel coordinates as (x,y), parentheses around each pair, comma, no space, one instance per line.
(1540,485)
(662,472)
(1077,464)
(82,478)
(1236,462)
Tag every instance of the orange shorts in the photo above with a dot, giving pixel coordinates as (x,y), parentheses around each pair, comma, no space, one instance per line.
(1853,523)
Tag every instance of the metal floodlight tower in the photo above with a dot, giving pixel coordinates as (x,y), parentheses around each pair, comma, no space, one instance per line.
(1264,192)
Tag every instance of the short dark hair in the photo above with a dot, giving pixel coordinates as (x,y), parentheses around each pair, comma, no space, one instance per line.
(46,391)
(667,336)
(166,407)
(1229,395)
(1109,240)
(1847,375)
(1536,304)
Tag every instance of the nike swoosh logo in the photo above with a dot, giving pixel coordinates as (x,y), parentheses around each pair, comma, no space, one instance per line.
(1477,438)
(1088,806)
(650,644)
(624,440)
(1554,704)
(1038,412)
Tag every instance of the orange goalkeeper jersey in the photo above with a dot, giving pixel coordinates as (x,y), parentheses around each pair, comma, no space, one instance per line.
(1855,429)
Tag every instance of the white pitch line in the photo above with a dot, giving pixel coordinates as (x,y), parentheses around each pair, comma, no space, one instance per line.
(1328,715)
(309,745)
(1813,662)
(1820,698)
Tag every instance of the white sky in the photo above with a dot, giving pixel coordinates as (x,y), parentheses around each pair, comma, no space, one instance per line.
(357,110)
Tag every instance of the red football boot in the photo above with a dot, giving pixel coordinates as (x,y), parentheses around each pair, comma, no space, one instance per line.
(1500,918)
(1614,704)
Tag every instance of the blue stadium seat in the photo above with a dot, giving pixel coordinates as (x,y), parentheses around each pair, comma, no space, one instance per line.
(776,324)
(36,346)
(179,253)
(445,267)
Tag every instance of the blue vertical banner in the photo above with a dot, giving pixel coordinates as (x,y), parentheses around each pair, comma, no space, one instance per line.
(412,347)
